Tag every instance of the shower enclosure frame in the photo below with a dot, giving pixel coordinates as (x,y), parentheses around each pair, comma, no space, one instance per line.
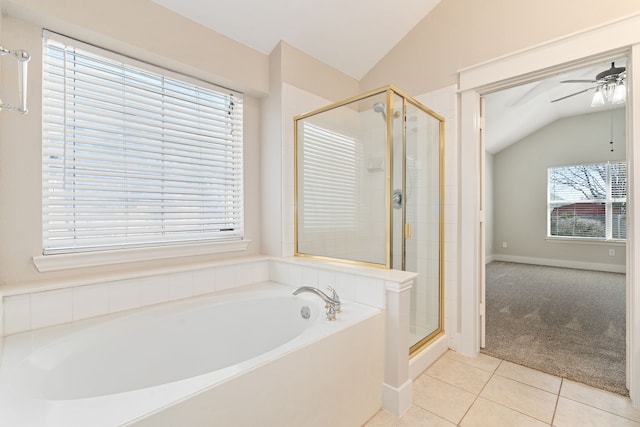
(389,92)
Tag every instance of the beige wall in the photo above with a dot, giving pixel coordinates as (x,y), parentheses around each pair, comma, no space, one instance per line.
(520,187)
(147,31)
(307,73)
(462,33)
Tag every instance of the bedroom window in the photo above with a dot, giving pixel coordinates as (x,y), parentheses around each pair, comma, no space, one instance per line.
(588,201)
(135,155)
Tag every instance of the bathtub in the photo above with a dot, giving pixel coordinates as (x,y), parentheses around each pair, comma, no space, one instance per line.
(246,357)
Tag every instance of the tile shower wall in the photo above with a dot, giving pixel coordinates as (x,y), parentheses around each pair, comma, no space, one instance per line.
(348,281)
(423,215)
(25,310)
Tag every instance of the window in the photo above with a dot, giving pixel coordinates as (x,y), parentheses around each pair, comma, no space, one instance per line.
(330,163)
(134,155)
(588,201)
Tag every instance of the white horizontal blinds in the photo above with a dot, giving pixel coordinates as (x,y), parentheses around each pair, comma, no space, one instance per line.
(330,179)
(618,195)
(588,200)
(132,156)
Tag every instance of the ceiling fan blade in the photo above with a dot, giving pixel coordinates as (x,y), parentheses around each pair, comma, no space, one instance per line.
(579,81)
(573,94)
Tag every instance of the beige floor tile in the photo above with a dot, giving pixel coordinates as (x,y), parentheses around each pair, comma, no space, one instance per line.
(529,376)
(459,374)
(575,414)
(600,399)
(415,416)
(382,419)
(442,399)
(485,413)
(482,361)
(523,398)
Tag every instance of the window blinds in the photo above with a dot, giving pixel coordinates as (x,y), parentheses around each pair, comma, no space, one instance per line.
(134,155)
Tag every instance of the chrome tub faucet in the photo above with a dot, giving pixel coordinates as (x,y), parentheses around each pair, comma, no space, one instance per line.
(332,303)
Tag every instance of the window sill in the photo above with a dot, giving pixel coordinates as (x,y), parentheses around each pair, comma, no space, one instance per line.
(586,241)
(57,262)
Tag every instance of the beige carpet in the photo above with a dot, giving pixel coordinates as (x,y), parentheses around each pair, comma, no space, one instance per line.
(566,322)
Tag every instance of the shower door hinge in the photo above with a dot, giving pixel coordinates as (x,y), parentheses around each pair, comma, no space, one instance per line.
(407,231)
(482,309)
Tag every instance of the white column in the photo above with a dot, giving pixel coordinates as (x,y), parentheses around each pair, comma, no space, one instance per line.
(397,390)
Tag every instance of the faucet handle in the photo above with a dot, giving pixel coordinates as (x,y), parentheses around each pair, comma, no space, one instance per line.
(331,312)
(334,296)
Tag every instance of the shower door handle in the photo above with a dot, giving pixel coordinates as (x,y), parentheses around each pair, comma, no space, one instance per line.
(407,231)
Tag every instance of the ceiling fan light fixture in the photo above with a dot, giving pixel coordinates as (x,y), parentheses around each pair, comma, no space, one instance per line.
(608,89)
(598,98)
(620,93)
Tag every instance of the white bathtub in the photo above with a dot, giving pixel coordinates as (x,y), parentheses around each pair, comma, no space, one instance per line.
(242,358)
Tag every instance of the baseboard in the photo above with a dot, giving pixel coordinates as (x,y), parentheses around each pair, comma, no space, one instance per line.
(421,361)
(397,401)
(611,268)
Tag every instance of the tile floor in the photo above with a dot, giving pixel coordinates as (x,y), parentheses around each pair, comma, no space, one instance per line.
(484,391)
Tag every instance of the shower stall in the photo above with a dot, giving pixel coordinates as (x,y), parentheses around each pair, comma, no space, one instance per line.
(369,191)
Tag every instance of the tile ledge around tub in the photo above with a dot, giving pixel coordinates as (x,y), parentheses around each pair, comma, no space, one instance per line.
(49,285)
(372,272)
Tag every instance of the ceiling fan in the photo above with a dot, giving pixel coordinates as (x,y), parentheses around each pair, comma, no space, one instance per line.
(609,85)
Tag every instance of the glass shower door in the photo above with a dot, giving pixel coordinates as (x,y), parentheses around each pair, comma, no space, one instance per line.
(422,221)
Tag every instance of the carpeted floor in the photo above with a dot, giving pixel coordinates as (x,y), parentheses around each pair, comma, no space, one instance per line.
(566,322)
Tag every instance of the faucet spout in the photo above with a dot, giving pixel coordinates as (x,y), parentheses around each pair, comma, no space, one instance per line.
(332,304)
(326,298)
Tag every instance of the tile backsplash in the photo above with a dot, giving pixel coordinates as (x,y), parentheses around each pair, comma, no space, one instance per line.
(31,309)
(26,309)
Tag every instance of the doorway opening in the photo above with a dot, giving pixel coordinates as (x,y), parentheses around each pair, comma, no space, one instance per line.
(554,202)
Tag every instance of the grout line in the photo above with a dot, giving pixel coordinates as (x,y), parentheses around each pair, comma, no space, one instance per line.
(608,411)
(555,409)
(531,385)
(513,409)
(478,395)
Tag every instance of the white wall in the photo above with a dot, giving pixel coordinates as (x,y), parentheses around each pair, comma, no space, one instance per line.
(520,185)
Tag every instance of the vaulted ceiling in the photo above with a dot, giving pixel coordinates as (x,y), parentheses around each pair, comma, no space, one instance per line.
(351,36)
(514,113)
